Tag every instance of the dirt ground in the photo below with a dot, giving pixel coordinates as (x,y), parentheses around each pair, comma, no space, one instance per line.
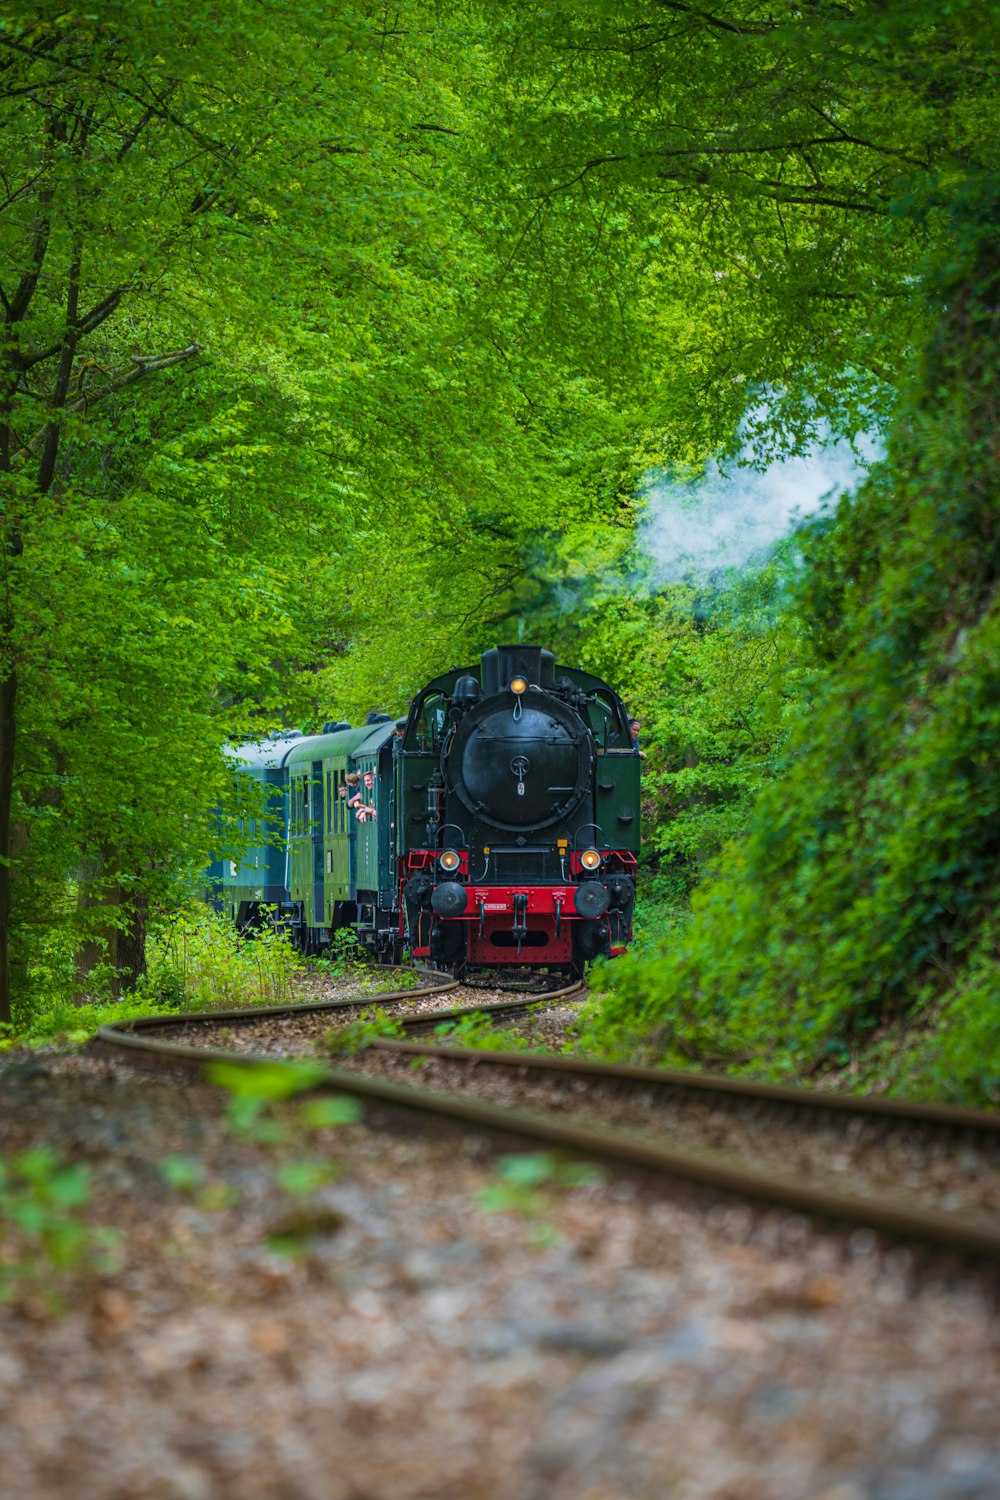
(603,1345)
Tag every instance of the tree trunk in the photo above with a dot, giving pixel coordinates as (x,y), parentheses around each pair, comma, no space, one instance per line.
(130,957)
(120,915)
(8,726)
(93,896)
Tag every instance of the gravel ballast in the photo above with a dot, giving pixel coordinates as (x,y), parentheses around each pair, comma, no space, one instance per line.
(425,1349)
(872,1157)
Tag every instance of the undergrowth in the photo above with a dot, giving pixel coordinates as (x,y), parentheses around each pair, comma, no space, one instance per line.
(347,1041)
(859,914)
(195,961)
(265,1108)
(47,1242)
(478,1032)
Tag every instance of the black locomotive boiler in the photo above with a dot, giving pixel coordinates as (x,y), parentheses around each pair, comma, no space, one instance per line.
(517,816)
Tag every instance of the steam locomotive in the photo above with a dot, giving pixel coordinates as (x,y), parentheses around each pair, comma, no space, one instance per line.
(498,825)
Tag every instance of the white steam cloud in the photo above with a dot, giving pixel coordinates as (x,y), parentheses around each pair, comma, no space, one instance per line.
(731,517)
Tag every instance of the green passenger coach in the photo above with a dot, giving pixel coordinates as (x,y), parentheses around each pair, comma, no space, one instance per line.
(342,868)
(246,887)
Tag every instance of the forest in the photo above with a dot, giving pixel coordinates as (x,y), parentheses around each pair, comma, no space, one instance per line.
(340,342)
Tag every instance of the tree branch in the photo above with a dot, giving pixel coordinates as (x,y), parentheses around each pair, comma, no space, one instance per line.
(441,129)
(158,107)
(19,193)
(717,23)
(140,366)
(71,336)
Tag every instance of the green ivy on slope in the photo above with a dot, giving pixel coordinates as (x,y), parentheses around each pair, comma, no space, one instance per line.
(864,893)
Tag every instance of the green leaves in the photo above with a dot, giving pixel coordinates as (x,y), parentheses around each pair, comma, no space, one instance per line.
(43,1227)
(265,1082)
(300,1178)
(338,485)
(319,1114)
(354,1037)
(862,898)
(527,1184)
(183,1173)
(350,396)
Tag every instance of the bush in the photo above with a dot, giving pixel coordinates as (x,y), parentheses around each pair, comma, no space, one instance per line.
(863,898)
(196,961)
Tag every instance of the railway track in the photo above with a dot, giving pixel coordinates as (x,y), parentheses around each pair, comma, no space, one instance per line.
(710,1172)
(800,1101)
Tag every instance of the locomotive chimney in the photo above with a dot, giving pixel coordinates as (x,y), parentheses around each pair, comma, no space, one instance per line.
(502,663)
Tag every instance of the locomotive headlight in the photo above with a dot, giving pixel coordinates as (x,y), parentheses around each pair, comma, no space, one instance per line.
(450,861)
(518,685)
(590,859)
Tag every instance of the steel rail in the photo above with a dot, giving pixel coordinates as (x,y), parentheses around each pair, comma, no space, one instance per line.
(617,1148)
(707,1084)
(433,1018)
(247,1014)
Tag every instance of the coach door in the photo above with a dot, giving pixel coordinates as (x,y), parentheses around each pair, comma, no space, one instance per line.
(368,827)
(317,827)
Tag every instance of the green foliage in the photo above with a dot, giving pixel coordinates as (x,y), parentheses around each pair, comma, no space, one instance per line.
(865,889)
(714,674)
(346,953)
(355,1036)
(196,961)
(348,958)
(302,1178)
(330,350)
(528,1184)
(802,202)
(183,1173)
(46,1237)
(251,1114)
(478,1031)
(260,1110)
(196,958)
(258,340)
(743,198)
(336,1109)
(186,1175)
(265,1082)
(374,980)
(253,1087)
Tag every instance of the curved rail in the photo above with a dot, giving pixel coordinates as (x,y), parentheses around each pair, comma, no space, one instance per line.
(706,1085)
(508,1008)
(248,1014)
(614,1147)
